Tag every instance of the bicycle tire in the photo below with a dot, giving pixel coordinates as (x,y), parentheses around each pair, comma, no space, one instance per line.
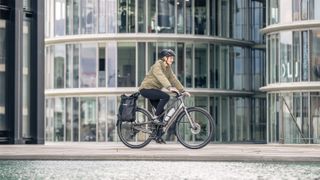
(194,140)
(131,133)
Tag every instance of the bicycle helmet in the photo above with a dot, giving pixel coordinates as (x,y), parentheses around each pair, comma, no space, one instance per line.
(166,52)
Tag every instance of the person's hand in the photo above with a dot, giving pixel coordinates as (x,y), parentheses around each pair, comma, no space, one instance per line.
(186,94)
(173,89)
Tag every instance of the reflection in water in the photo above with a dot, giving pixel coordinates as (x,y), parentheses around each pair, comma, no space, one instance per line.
(156,170)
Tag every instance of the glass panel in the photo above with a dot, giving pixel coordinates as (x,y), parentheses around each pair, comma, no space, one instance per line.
(88,65)
(59,119)
(238,79)
(166,16)
(142,16)
(102,108)
(305,56)
(304,10)
(88,119)
(111,118)
(180,63)
(75,115)
(76,16)
(225,123)
(152,54)
(189,17)
(285,13)
(286,62)
(60,17)
(111,63)
(126,64)
(258,68)
(126,16)
(315,117)
(258,21)
(296,10)
(213,67)
(2,89)
(223,67)
(102,66)
(76,57)
(180,19)
(239,19)
(111,16)
(213,17)
(314,7)
(259,120)
(68,119)
(152,16)
(2,67)
(141,62)
(69,17)
(189,65)
(49,112)
(224,18)
(26,78)
(296,56)
(59,55)
(102,16)
(201,65)
(69,66)
(200,17)
(88,16)
(315,55)
(273,12)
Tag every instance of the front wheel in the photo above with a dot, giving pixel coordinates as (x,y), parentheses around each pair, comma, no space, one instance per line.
(136,134)
(198,136)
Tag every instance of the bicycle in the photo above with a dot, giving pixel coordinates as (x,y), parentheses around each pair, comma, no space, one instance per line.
(193,126)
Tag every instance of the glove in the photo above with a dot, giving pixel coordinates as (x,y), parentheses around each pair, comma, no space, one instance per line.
(186,93)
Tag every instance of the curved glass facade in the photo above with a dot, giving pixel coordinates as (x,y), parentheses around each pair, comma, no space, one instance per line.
(97,50)
(293,72)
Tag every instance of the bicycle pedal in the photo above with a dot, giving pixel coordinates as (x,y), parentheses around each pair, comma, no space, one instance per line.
(157,122)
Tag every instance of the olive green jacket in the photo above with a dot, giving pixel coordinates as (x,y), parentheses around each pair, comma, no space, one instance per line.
(160,77)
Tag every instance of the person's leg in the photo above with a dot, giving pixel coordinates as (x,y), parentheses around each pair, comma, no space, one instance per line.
(156,95)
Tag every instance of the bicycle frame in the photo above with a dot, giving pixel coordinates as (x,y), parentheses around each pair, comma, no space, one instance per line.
(172,119)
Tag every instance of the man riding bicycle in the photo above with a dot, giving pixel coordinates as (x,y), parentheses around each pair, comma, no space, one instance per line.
(161,76)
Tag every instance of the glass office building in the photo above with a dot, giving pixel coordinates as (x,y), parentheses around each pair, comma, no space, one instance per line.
(21,71)
(293,71)
(97,50)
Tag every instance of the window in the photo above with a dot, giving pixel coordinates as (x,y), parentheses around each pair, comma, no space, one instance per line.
(200,17)
(60,17)
(201,66)
(126,16)
(166,16)
(88,65)
(102,66)
(126,65)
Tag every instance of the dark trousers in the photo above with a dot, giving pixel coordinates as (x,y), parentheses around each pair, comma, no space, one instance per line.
(157,98)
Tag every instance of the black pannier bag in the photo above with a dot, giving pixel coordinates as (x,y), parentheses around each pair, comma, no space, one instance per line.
(128,106)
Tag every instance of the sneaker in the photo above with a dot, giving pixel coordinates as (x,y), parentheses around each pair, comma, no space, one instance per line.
(160,141)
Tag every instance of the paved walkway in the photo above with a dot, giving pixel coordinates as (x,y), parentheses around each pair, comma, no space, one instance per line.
(175,152)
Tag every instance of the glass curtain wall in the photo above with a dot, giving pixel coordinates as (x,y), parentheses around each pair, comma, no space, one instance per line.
(26,78)
(3,45)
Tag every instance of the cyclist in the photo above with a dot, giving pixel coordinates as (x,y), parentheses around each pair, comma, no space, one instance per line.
(161,76)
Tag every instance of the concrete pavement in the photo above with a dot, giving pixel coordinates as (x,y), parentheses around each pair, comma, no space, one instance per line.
(163,152)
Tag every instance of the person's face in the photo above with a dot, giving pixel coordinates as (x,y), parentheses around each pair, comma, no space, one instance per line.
(169,60)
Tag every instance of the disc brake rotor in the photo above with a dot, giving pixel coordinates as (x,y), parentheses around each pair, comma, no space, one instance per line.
(196,130)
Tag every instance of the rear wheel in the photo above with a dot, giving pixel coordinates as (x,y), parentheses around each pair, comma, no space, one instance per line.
(136,134)
(201,134)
